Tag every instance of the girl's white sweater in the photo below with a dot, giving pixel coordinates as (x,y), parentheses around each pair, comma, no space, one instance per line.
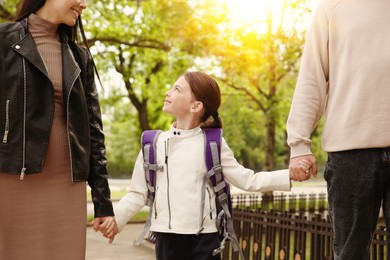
(178,202)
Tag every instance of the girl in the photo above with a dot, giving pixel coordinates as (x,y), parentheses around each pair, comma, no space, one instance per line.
(52,140)
(194,101)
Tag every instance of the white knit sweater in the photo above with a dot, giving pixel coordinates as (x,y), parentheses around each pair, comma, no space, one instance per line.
(344,74)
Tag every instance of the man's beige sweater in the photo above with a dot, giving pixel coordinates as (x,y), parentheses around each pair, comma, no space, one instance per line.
(345,76)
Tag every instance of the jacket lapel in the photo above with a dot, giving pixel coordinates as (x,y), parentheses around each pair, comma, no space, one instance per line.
(71,70)
(27,48)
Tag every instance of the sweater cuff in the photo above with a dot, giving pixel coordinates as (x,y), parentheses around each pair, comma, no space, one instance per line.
(300,149)
(121,220)
(284,180)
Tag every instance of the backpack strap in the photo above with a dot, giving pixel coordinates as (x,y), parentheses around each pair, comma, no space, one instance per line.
(213,137)
(148,145)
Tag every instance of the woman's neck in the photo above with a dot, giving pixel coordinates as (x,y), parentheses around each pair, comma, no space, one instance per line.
(45,15)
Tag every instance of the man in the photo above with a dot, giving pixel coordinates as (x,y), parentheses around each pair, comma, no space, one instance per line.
(345,76)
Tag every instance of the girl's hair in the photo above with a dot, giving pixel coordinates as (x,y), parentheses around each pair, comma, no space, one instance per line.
(26,7)
(206,90)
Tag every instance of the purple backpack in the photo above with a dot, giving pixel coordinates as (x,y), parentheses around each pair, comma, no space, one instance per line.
(213,137)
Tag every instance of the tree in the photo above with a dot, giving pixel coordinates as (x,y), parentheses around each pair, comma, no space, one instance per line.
(262,66)
(7,10)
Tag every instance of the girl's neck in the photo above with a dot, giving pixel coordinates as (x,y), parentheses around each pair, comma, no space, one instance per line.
(186,125)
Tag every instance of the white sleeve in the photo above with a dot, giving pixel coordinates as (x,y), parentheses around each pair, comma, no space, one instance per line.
(246,179)
(135,199)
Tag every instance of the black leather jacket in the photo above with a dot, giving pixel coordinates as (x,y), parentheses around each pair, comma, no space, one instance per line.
(27,107)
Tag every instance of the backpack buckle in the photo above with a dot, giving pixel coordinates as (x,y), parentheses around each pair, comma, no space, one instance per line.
(146,165)
(218,250)
(217,168)
(153,167)
(223,198)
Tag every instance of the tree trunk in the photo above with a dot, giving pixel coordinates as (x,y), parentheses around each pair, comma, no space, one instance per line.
(143,117)
(270,145)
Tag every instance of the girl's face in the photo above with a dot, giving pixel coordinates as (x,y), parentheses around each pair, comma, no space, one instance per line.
(62,11)
(179,99)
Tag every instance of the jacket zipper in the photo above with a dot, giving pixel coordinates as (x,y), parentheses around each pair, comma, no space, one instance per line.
(23,170)
(154,202)
(67,132)
(67,128)
(6,128)
(166,163)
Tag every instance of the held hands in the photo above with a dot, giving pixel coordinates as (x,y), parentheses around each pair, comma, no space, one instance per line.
(107,226)
(301,167)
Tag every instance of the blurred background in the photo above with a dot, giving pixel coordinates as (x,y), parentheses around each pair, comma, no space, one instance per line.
(252,48)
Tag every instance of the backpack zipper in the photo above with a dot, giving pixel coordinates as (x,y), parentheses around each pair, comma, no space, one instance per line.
(6,128)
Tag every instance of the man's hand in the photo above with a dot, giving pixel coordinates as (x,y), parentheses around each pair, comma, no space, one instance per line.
(302,166)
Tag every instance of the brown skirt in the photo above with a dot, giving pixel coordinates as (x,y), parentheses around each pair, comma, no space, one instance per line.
(42,217)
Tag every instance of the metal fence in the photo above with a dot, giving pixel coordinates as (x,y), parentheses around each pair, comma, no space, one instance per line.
(288,227)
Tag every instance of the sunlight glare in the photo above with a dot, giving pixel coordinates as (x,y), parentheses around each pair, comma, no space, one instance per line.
(253,14)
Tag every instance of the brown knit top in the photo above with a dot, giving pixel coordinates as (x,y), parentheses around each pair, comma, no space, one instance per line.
(49,46)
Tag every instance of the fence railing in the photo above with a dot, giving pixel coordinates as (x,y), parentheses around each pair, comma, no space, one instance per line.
(285,231)
(309,203)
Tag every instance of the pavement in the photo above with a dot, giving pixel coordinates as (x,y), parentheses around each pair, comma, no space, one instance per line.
(122,248)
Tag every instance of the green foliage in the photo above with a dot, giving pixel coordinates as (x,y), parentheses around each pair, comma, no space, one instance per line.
(244,132)
(141,216)
(8,9)
(261,67)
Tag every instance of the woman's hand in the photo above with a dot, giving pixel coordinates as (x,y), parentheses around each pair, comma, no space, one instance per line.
(107,226)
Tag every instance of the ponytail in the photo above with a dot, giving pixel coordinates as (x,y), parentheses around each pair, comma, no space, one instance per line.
(206,90)
(212,121)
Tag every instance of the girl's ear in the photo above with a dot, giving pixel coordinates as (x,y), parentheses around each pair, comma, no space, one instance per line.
(196,106)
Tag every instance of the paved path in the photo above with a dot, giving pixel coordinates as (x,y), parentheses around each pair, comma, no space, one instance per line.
(122,248)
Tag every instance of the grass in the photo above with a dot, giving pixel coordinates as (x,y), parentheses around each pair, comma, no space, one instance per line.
(140,217)
(115,194)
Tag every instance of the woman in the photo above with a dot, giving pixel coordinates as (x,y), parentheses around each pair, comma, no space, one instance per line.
(184,210)
(52,139)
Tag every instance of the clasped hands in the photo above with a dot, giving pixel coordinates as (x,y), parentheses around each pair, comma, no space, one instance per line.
(107,226)
(302,167)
